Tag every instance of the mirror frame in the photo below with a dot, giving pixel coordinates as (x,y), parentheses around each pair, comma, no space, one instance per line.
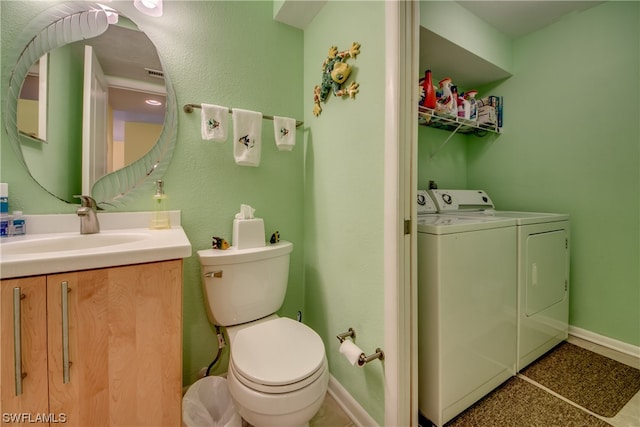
(67,23)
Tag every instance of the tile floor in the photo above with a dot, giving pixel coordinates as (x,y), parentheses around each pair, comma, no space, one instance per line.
(331,415)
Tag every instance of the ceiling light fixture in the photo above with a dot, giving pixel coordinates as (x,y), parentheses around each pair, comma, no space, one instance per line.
(149,7)
(153,102)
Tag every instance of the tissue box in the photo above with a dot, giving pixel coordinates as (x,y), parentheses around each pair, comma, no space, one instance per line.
(248,233)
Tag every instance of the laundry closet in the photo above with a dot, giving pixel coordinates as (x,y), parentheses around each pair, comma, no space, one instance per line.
(493,286)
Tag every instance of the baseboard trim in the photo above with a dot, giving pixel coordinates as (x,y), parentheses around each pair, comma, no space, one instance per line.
(349,405)
(611,343)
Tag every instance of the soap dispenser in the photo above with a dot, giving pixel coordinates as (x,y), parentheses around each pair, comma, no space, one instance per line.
(160,214)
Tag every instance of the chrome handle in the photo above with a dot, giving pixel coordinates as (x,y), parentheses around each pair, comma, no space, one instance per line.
(17,339)
(217,273)
(64,294)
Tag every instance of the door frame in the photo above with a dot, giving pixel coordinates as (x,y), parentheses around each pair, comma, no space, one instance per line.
(400,230)
(95,106)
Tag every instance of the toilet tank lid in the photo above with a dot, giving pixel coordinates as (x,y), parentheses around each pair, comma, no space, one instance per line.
(277,352)
(235,256)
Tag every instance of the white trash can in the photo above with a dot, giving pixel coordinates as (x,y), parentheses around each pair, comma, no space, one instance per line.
(208,403)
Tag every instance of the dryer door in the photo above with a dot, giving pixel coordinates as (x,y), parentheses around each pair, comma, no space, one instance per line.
(547,270)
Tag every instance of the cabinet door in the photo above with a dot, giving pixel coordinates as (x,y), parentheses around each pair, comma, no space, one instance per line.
(124,345)
(23,311)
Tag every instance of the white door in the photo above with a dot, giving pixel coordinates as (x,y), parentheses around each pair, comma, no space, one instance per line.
(94,122)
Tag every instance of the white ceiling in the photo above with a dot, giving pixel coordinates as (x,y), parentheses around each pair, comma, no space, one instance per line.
(124,54)
(518,18)
(513,18)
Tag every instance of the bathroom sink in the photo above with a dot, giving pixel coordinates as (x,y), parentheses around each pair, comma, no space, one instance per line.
(70,243)
(53,244)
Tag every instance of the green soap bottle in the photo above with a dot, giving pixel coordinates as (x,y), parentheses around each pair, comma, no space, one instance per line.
(160,214)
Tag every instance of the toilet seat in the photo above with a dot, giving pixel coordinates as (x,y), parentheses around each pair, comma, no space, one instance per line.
(278,389)
(277,356)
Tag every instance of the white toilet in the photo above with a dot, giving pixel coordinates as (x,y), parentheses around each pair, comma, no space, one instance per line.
(278,372)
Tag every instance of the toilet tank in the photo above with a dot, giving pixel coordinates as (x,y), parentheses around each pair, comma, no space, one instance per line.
(242,285)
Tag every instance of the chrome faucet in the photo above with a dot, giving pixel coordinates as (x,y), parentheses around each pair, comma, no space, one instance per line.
(88,218)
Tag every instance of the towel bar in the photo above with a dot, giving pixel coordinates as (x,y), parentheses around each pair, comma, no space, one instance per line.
(188,108)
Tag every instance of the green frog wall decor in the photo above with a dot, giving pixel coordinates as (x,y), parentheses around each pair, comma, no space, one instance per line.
(335,72)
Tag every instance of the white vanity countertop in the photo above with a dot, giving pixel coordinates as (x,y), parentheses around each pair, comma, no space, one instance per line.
(53,244)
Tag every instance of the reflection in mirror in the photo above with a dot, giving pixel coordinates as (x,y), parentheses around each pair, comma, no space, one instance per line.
(113,123)
(124,112)
(136,108)
(32,105)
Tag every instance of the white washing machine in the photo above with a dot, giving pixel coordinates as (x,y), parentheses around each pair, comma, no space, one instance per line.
(543,269)
(466,309)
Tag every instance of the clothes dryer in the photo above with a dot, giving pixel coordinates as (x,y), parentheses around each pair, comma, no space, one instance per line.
(543,268)
(466,309)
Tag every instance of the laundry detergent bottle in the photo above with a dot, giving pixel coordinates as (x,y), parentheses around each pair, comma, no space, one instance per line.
(470,96)
(446,103)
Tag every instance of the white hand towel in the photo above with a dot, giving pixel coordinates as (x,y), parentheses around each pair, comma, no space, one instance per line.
(285,132)
(215,120)
(247,137)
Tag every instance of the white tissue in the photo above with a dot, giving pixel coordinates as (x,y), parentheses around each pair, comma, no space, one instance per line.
(351,351)
(246,212)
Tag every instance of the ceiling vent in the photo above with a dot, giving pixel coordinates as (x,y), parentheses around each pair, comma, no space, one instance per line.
(154,73)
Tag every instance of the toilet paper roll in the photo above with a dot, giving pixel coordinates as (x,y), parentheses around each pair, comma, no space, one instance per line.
(351,351)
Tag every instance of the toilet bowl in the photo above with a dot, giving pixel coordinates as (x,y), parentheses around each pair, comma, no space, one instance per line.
(278,373)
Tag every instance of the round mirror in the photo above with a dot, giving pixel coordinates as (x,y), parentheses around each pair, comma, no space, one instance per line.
(89,109)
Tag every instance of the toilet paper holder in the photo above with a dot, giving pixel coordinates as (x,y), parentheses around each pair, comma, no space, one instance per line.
(363,359)
(343,336)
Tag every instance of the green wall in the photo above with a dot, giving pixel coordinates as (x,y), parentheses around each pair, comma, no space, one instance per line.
(325,196)
(227,53)
(343,206)
(567,146)
(446,165)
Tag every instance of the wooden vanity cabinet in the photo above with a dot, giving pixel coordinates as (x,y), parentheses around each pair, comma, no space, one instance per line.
(123,339)
(32,304)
